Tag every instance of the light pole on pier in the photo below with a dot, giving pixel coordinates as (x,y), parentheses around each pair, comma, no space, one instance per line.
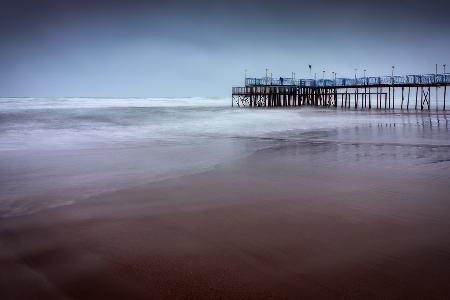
(393,90)
(365,89)
(323,75)
(435,81)
(356,71)
(445,86)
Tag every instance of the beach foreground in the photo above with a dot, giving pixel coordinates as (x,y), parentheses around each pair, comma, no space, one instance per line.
(312,219)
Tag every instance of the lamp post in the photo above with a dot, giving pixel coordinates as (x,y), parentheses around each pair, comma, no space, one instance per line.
(435,75)
(393,91)
(365,89)
(356,70)
(323,75)
(435,82)
(445,86)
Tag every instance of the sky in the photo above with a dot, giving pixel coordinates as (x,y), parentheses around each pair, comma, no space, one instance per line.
(178,48)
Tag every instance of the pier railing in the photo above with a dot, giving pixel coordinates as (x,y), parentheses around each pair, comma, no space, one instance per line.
(427,79)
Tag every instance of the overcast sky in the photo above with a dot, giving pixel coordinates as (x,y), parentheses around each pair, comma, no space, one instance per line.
(201,48)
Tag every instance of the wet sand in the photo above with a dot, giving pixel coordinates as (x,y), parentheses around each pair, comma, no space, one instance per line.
(320,219)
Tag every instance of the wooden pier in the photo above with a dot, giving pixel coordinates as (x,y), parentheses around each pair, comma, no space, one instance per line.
(389,92)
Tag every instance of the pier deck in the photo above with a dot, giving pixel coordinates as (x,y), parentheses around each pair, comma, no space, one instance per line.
(366,92)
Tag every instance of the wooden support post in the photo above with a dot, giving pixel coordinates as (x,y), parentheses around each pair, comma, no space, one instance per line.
(302,96)
(317,97)
(370,101)
(308,96)
(324,97)
(437,105)
(356,98)
(385,99)
(378,96)
(274,96)
(403,98)
(445,92)
(393,97)
(321,97)
(421,98)
(365,97)
(407,103)
(335,97)
(389,97)
(271,97)
(417,92)
(429,97)
(300,93)
(305,97)
(346,98)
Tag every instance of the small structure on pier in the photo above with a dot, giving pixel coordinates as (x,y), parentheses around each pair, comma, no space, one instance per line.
(343,92)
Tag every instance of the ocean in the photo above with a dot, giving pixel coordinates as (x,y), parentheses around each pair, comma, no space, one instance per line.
(57,151)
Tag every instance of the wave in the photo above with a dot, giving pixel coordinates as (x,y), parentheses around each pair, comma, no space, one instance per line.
(90,102)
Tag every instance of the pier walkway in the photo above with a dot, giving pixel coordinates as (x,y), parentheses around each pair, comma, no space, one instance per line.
(365,92)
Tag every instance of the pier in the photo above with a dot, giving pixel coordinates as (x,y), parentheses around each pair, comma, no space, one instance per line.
(409,92)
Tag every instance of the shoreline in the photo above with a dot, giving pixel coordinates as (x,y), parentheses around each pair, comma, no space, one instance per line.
(260,227)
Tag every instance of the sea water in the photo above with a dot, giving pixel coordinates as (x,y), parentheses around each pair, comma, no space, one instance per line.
(57,151)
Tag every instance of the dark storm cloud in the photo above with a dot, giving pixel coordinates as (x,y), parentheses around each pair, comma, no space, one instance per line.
(384,14)
(101,47)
